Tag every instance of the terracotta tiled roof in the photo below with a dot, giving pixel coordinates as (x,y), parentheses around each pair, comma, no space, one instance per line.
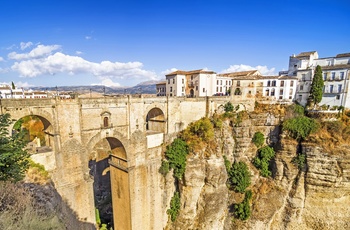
(306,54)
(343,55)
(240,74)
(182,72)
(347,66)
(161,83)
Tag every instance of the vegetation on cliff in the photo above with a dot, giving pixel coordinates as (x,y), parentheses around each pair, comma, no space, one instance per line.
(242,210)
(13,158)
(238,175)
(175,205)
(176,154)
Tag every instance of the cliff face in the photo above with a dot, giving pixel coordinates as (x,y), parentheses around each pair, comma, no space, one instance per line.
(316,196)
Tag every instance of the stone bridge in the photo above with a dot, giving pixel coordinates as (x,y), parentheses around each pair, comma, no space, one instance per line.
(121,137)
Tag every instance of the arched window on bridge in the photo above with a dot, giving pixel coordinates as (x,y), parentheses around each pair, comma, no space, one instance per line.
(155,121)
(105,120)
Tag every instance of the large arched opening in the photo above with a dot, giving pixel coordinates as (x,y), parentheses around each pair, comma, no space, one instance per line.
(37,132)
(155,121)
(111,183)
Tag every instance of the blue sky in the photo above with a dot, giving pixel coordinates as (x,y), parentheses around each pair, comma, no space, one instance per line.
(123,43)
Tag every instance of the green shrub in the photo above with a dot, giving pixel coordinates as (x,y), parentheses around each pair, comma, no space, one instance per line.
(202,129)
(164,168)
(238,175)
(242,210)
(228,107)
(217,122)
(262,160)
(300,160)
(175,205)
(258,139)
(176,155)
(300,127)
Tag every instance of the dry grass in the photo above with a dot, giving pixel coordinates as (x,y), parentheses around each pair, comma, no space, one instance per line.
(332,136)
(18,210)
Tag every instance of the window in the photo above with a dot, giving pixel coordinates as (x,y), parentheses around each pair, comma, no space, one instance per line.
(197,87)
(331,88)
(168,81)
(183,81)
(217,82)
(281,91)
(238,83)
(267,92)
(300,97)
(341,75)
(291,83)
(301,87)
(220,89)
(183,89)
(324,76)
(333,75)
(273,83)
(217,89)
(220,82)
(303,77)
(171,89)
(173,80)
(337,97)
(226,82)
(268,83)
(339,88)
(282,83)
(105,122)
(203,90)
(272,92)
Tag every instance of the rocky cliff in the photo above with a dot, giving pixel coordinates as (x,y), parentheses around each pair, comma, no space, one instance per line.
(314,196)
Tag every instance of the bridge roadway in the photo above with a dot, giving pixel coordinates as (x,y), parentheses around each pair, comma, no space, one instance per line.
(130,132)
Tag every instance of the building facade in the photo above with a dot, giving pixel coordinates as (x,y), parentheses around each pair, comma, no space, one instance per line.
(335,75)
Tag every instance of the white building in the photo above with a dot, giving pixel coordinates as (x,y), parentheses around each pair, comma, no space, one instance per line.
(252,83)
(6,92)
(195,83)
(161,89)
(335,75)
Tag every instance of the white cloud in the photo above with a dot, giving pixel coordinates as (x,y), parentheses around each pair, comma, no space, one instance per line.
(25,45)
(264,70)
(41,61)
(165,72)
(88,37)
(23,84)
(108,82)
(1,59)
(78,52)
(39,52)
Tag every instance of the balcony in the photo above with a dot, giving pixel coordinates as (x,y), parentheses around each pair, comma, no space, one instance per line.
(192,83)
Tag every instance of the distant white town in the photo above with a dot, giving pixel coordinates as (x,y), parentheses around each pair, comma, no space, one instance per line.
(292,85)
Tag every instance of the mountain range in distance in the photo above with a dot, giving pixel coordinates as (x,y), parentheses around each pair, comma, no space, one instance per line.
(147,87)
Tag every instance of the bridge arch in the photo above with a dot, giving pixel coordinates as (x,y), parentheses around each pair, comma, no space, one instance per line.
(46,133)
(155,120)
(108,165)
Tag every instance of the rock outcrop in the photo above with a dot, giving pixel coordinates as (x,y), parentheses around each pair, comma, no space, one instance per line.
(316,196)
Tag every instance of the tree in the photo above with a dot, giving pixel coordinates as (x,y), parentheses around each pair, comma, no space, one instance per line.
(13,85)
(316,91)
(14,160)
